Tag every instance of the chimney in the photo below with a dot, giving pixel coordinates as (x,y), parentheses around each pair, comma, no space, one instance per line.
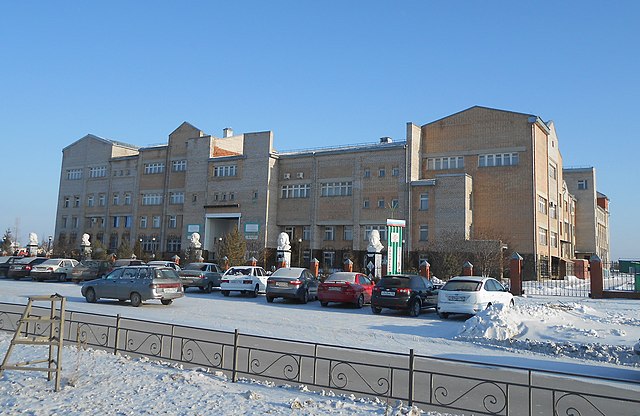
(227,132)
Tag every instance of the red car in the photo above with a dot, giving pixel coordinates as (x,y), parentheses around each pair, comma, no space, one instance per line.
(346,287)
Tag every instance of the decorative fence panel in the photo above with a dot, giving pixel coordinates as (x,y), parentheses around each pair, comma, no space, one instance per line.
(429,382)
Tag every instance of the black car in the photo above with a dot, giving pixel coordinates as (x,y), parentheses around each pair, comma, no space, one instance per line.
(22,267)
(89,270)
(6,262)
(412,293)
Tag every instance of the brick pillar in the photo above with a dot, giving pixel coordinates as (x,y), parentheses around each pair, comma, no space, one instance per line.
(597,283)
(515,273)
(425,269)
(314,266)
(467,269)
(347,266)
(253,261)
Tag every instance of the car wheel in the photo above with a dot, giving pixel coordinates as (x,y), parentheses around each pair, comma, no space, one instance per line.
(62,278)
(305,297)
(325,304)
(443,315)
(255,292)
(414,308)
(166,301)
(360,302)
(90,296)
(376,310)
(225,293)
(136,299)
(208,288)
(269,299)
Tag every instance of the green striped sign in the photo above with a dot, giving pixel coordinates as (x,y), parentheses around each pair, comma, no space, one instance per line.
(395,229)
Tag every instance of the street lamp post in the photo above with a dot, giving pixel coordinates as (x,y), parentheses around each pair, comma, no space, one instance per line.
(49,245)
(299,251)
(153,247)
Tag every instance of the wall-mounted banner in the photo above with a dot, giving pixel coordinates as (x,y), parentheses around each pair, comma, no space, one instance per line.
(395,229)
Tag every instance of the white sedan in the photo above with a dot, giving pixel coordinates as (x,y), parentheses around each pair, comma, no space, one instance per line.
(244,279)
(471,294)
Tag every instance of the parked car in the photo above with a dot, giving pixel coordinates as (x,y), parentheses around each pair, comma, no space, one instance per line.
(244,279)
(6,262)
(163,263)
(407,292)
(292,283)
(346,287)
(204,276)
(125,262)
(53,269)
(22,267)
(89,270)
(136,283)
(471,294)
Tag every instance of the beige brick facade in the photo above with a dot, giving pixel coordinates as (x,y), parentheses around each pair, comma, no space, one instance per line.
(481,173)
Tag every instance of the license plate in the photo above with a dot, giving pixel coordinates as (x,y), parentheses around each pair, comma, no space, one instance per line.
(281,284)
(170,290)
(456,298)
(337,289)
(387,293)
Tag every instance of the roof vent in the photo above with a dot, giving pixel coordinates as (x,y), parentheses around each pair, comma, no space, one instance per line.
(227,132)
(386,140)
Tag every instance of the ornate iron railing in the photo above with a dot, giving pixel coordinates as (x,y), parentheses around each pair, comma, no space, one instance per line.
(431,383)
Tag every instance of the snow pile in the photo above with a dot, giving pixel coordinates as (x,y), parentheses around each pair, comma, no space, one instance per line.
(497,322)
(636,348)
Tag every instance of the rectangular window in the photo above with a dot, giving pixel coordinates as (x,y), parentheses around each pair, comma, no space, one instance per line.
(67,202)
(291,230)
(153,168)
(116,199)
(554,239)
(229,170)
(156,221)
(102,200)
(329,233)
(583,184)
(395,172)
(127,221)
(424,232)
(179,165)
(151,199)
(542,205)
(381,203)
(98,172)
(443,163)
(143,221)
(74,174)
(553,211)
(381,172)
(329,258)
(76,202)
(367,173)
(336,189)
(174,245)
(90,201)
(127,199)
(348,233)
(64,222)
(498,159)
(382,229)
(366,203)
(173,221)
(395,203)
(74,222)
(296,191)
(542,236)
(176,198)
(306,233)
(116,222)
(424,202)
(552,171)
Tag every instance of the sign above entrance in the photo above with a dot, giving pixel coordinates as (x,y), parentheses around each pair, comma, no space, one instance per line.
(251,227)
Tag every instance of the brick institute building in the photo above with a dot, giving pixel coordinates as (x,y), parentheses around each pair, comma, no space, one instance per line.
(480,174)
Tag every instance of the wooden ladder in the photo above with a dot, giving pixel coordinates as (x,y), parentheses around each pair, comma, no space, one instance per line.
(53,339)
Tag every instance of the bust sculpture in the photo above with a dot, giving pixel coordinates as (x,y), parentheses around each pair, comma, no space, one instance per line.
(85,240)
(195,240)
(33,239)
(375,246)
(283,242)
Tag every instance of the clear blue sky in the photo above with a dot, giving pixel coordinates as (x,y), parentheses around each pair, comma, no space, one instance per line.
(316,74)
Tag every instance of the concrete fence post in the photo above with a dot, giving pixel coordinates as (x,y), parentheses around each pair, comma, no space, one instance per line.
(597,283)
(467,269)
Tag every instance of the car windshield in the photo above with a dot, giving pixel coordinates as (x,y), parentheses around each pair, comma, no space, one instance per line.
(196,266)
(394,282)
(284,272)
(462,286)
(341,277)
(238,271)
(166,274)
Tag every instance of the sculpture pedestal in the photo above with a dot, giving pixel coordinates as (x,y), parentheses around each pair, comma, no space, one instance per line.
(283,258)
(32,249)
(373,265)
(86,251)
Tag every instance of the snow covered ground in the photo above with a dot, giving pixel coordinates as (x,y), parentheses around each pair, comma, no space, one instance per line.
(577,335)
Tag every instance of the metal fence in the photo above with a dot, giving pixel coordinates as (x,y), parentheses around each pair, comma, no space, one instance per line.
(431,383)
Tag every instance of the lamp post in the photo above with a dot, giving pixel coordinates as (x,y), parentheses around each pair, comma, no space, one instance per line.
(219,248)
(153,247)
(299,251)
(49,245)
